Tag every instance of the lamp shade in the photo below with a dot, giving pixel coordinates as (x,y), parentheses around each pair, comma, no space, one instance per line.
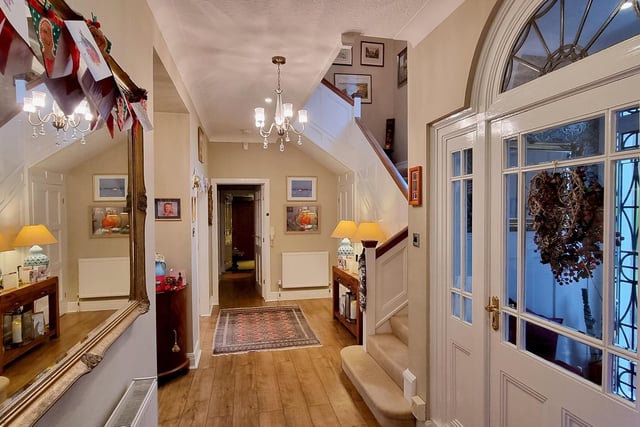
(344,229)
(369,232)
(4,244)
(34,236)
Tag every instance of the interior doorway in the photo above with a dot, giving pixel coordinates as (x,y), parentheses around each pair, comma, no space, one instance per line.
(240,261)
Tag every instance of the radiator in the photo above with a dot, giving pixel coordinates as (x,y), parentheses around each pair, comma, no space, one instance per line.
(103,277)
(138,407)
(305,269)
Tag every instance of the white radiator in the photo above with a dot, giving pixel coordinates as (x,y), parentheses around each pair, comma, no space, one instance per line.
(138,407)
(103,277)
(305,269)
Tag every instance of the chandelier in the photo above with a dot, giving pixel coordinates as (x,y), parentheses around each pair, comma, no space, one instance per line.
(282,124)
(78,122)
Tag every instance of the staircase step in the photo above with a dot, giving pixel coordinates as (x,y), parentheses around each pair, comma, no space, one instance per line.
(391,354)
(400,327)
(381,394)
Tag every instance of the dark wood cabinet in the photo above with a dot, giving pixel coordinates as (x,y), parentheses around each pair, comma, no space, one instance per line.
(24,296)
(171,331)
(351,282)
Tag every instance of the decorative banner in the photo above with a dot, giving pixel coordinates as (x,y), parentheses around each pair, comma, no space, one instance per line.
(15,54)
(14,12)
(100,94)
(140,111)
(101,40)
(122,111)
(89,51)
(59,55)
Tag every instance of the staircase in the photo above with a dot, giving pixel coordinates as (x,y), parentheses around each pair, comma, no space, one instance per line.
(377,374)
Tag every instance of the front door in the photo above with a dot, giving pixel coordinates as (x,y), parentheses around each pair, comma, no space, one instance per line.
(564,221)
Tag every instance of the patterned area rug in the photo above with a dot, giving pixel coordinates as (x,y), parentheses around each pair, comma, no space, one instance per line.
(240,330)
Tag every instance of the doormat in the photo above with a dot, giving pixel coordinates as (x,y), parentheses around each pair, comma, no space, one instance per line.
(240,330)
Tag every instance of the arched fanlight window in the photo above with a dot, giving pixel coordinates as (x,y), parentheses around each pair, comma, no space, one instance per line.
(564,31)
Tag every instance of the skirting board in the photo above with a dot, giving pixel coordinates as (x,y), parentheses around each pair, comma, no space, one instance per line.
(287,295)
(194,358)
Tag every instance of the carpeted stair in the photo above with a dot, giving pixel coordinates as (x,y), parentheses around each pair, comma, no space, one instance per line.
(377,374)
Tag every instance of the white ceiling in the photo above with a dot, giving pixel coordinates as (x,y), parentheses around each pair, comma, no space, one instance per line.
(223,49)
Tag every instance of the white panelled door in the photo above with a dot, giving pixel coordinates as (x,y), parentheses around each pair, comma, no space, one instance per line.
(563,209)
(459,257)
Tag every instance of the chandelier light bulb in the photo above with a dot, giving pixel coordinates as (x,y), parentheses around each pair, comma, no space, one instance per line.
(283,115)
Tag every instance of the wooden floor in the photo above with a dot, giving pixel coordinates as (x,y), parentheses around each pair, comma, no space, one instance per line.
(74,326)
(301,387)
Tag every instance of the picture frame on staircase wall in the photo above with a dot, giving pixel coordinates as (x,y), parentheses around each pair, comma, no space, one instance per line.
(415,186)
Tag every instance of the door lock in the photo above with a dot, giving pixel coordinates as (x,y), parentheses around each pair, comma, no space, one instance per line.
(494,308)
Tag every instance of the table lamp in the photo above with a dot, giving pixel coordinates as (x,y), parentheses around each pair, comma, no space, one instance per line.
(344,230)
(369,233)
(34,236)
(4,246)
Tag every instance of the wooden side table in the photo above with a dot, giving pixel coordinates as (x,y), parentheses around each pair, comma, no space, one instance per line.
(351,282)
(171,331)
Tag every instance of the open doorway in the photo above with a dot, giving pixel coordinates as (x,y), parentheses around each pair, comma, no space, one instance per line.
(241,217)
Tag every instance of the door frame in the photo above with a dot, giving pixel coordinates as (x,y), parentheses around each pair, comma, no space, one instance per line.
(264,184)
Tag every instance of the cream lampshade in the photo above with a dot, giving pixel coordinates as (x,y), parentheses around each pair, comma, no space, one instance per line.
(34,236)
(369,233)
(344,230)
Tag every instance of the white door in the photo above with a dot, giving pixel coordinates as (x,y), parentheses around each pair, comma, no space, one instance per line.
(459,257)
(564,214)
(259,237)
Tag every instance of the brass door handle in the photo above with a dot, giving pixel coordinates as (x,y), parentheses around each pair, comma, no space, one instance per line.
(494,308)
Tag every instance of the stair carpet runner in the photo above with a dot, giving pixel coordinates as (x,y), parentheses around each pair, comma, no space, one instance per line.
(377,374)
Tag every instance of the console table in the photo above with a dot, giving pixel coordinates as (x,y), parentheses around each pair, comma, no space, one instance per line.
(171,332)
(351,282)
(24,296)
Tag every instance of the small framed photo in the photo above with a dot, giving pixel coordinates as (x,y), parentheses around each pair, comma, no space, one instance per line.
(109,221)
(302,219)
(415,186)
(202,142)
(354,85)
(168,209)
(372,54)
(110,188)
(402,67)
(344,56)
(301,188)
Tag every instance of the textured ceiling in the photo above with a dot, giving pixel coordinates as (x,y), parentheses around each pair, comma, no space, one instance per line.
(223,49)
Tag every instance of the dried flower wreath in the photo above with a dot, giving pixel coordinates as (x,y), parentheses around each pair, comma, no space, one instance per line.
(567,211)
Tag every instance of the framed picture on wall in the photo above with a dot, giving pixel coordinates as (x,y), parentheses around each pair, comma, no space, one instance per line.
(402,67)
(344,56)
(202,141)
(302,219)
(110,188)
(354,85)
(167,209)
(415,186)
(109,221)
(301,188)
(372,54)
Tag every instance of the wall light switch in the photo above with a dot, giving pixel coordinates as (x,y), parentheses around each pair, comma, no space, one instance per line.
(416,240)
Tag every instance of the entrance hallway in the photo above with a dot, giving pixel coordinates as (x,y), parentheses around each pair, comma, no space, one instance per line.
(301,387)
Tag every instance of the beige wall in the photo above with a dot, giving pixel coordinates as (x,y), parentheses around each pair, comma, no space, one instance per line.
(173,180)
(440,72)
(229,160)
(388,101)
(79,201)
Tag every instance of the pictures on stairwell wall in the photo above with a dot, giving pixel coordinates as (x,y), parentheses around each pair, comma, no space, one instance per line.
(372,54)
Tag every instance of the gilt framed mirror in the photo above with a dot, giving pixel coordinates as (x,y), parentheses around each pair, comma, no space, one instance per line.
(51,157)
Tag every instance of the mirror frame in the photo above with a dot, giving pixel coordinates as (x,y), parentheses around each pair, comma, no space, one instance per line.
(29,405)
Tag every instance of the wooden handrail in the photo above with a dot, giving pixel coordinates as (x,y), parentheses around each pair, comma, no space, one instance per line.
(391,168)
(392,242)
(337,91)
